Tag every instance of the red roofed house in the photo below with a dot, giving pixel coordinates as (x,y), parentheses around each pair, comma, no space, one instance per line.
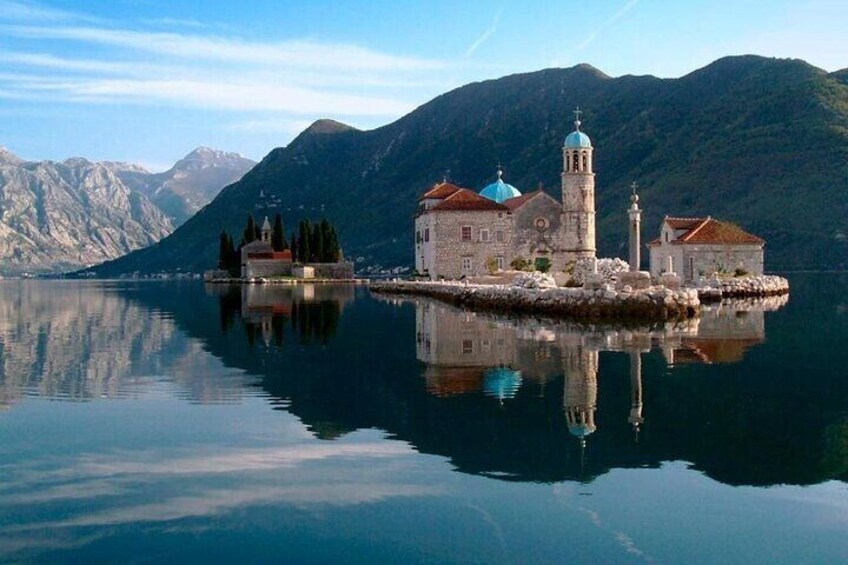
(459,232)
(699,247)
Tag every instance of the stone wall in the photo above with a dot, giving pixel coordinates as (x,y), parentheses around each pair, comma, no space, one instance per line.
(341,270)
(532,240)
(706,259)
(450,252)
(261,268)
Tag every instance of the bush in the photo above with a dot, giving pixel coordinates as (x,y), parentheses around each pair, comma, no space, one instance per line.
(740,272)
(520,264)
(492,265)
(543,264)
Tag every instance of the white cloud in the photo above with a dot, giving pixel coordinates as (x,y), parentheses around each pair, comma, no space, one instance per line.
(606,23)
(490,31)
(277,82)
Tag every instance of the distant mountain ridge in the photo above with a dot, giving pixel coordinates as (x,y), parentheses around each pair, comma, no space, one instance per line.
(60,216)
(756,141)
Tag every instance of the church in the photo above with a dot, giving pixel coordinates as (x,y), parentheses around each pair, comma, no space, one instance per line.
(459,232)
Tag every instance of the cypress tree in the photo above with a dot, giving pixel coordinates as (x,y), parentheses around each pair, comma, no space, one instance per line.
(223,251)
(318,243)
(293,241)
(325,242)
(333,251)
(303,240)
(250,231)
(278,239)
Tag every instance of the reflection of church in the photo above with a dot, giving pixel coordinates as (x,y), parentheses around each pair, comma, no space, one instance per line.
(466,352)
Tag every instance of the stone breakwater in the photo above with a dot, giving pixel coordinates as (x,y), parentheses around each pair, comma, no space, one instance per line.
(765,285)
(648,305)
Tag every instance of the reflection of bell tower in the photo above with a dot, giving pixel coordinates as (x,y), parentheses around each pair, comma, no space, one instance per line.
(581,391)
(636,419)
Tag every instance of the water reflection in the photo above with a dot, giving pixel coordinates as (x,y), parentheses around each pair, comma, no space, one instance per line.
(312,311)
(516,399)
(85,341)
(467,352)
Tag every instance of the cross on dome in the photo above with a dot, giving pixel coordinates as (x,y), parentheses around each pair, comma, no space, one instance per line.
(577,122)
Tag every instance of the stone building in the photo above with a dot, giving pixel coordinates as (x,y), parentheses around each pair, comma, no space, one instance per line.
(258,258)
(700,247)
(461,233)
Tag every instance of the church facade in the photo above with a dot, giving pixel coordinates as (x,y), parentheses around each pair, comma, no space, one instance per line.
(459,232)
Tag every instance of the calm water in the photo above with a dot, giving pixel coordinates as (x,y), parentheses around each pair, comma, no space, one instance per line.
(161,422)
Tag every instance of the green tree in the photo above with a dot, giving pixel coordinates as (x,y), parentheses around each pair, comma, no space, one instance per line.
(223,250)
(304,252)
(294,247)
(318,243)
(250,231)
(278,239)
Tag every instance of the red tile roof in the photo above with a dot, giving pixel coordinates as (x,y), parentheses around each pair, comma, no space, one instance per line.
(709,231)
(285,255)
(519,201)
(441,190)
(465,200)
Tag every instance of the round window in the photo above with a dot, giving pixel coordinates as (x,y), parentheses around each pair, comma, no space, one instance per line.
(541,224)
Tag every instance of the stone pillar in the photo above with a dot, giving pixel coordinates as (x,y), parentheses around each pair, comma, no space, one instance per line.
(635,232)
(635,391)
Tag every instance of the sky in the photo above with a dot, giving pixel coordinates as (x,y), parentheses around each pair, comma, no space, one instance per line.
(147,81)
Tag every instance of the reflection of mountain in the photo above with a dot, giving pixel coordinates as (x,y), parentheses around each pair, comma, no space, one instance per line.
(729,420)
(81,341)
(504,413)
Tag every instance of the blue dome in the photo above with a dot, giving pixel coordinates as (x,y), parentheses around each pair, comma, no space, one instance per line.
(577,139)
(499,191)
(501,382)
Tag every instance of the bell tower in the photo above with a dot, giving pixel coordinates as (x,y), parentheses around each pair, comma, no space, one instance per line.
(578,193)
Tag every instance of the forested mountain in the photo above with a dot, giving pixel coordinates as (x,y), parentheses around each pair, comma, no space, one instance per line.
(757,141)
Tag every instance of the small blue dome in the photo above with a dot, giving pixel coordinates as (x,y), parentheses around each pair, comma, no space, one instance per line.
(499,190)
(501,382)
(577,139)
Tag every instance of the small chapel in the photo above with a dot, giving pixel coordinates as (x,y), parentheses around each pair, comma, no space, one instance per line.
(459,232)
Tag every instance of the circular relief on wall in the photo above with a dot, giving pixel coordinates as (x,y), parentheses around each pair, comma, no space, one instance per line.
(542,224)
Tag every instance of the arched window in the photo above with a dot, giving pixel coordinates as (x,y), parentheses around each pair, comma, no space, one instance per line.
(585,162)
(575,165)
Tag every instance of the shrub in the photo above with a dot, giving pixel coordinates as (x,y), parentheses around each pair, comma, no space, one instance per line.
(520,264)
(543,264)
(740,272)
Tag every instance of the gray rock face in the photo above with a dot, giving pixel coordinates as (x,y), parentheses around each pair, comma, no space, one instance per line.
(60,216)
(190,184)
(56,217)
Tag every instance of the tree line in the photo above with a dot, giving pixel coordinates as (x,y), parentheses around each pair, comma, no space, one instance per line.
(311,243)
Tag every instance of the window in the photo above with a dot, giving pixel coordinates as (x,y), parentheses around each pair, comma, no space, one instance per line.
(500,215)
(499,236)
(465,232)
(666,236)
(499,262)
(467,346)
(417,237)
(691,268)
(466,264)
(484,235)
(426,234)
(585,162)
(575,161)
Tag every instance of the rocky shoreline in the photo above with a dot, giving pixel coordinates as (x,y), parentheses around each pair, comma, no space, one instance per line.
(648,305)
(743,287)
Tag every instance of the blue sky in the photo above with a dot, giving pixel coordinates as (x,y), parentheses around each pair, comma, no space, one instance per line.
(148,80)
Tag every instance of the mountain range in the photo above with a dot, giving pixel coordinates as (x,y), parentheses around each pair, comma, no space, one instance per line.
(60,216)
(757,141)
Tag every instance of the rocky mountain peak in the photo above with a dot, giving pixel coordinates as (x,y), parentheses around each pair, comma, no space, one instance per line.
(9,158)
